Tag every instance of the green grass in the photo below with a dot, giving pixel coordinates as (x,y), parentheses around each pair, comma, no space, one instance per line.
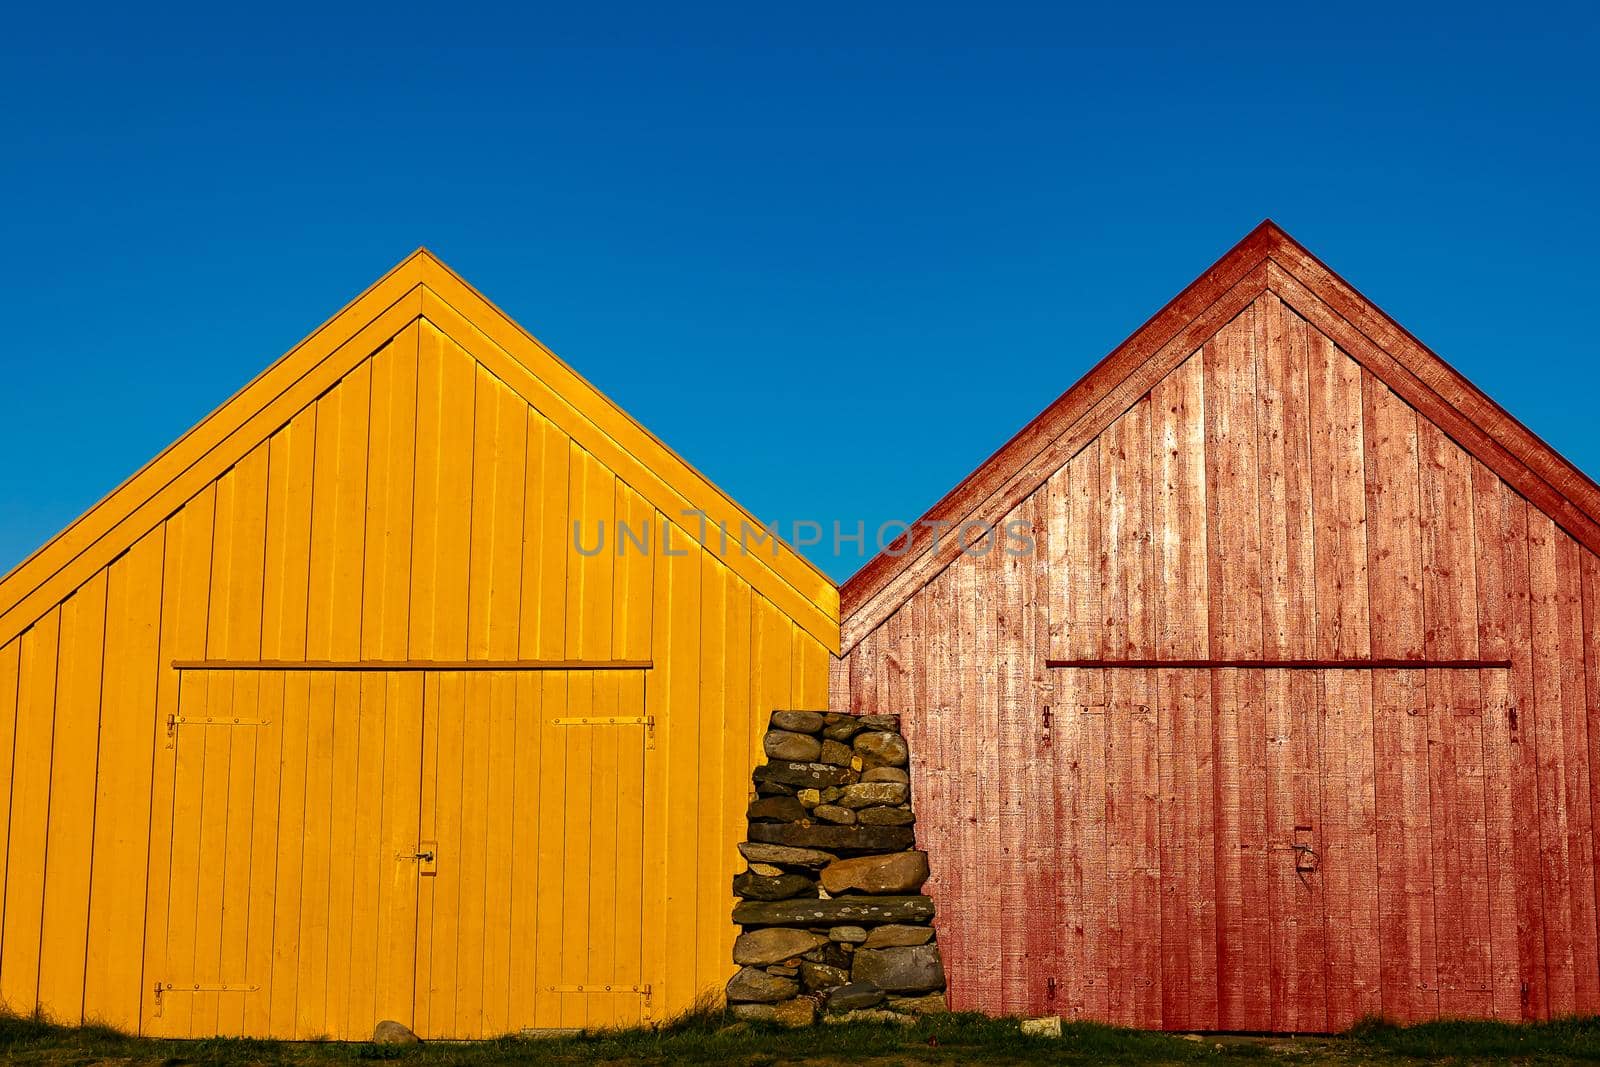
(706,1037)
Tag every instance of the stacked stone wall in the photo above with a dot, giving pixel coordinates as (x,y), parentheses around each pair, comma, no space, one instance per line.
(834,923)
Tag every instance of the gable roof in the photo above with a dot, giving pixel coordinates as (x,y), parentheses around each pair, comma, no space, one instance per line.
(1267,259)
(419,287)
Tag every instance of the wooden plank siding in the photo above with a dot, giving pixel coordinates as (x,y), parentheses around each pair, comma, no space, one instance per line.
(1255,849)
(237,851)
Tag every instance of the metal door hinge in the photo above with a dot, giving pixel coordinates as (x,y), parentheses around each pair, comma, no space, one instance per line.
(647,721)
(163,988)
(641,990)
(175,721)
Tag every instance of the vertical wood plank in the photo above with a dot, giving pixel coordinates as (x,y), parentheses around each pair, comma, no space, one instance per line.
(1511,773)
(70,834)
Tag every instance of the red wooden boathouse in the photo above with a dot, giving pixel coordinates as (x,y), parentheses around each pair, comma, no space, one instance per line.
(1290,717)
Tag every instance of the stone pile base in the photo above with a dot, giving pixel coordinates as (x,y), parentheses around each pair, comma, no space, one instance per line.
(834,923)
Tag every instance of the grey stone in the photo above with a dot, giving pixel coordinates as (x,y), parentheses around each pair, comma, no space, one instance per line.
(869,1015)
(819,976)
(886,774)
(752,886)
(775,809)
(803,775)
(784,855)
(848,935)
(836,839)
(800,722)
(927,1004)
(766,870)
(896,935)
(854,996)
(881,749)
(796,748)
(774,789)
(915,969)
(834,813)
(867,794)
(894,874)
(754,984)
(836,752)
(389,1032)
(890,723)
(839,911)
(757,948)
(899,816)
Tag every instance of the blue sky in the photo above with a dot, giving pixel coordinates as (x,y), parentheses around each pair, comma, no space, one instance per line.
(833,256)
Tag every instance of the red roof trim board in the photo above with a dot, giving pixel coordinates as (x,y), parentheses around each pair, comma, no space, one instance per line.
(1268,259)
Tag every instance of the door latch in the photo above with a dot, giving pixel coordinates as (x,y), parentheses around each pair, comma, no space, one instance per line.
(425,856)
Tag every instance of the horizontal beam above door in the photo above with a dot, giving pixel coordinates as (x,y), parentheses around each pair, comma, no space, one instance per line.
(413,665)
(1285,664)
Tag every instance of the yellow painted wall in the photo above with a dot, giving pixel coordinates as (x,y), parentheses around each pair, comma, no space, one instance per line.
(216,850)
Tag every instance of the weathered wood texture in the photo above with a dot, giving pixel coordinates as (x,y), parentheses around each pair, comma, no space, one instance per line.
(214,851)
(1257,849)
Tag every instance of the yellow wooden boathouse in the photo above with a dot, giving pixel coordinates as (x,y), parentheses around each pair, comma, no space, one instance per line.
(323,718)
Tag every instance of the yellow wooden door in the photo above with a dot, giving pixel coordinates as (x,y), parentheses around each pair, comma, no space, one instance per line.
(533,803)
(290,904)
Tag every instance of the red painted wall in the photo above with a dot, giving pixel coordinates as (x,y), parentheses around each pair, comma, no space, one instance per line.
(1132,845)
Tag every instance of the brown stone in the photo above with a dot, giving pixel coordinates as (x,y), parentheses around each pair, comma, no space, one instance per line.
(886,774)
(895,874)
(842,727)
(809,798)
(753,1013)
(867,794)
(927,1004)
(890,723)
(752,886)
(834,813)
(796,748)
(881,749)
(835,912)
(766,870)
(819,976)
(801,1011)
(774,789)
(915,969)
(844,839)
(876,1016)
(800,722)
(389,1032)
(848,935)
(784,855)
(784,970)
(754,984)
(831,953)
(897,816)
(836,752)
(803,775)
(775,809)
(774,944)
(895,935)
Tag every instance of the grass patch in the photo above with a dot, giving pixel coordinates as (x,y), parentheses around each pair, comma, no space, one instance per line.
(706,1036)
